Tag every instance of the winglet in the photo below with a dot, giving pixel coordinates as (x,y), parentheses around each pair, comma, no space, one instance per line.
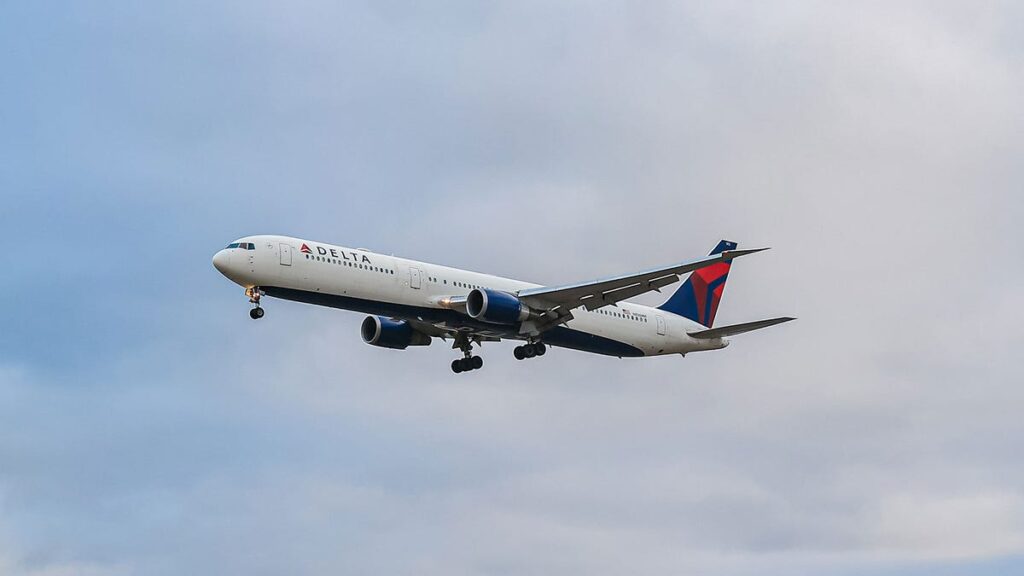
(730,254)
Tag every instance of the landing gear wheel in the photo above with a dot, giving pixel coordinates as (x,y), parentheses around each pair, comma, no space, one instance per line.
(530,350)
(468,361)
(256,313)
(519,353)
(540,348)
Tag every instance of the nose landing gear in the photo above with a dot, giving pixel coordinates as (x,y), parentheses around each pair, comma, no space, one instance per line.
(254,298)
(529,350)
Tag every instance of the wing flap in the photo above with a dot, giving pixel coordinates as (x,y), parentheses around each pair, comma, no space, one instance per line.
(738,328)
(610,297)
(608,291)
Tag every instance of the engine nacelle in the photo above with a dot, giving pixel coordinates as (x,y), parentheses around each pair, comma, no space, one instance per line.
(388,333)
(496,307)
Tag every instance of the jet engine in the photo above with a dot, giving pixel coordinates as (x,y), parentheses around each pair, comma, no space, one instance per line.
(388,333)
(496,307)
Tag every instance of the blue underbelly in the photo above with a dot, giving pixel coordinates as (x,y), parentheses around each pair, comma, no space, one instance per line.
(561,336)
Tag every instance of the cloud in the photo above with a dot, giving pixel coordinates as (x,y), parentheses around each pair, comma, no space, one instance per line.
(148,426)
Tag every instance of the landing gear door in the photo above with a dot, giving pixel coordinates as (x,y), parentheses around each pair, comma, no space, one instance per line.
(286,255)
(661,325)
(414,278)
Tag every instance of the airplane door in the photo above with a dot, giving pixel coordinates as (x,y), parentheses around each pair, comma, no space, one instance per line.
(286,255)
(414,278)
(661,325)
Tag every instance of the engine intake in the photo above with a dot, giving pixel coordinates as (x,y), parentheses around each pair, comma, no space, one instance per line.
(496,307)
(388,333)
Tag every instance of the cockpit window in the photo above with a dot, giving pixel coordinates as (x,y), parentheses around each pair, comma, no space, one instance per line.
(242,245)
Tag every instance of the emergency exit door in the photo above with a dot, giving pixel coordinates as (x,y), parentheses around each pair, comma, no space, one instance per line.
(414,278)
(286,255)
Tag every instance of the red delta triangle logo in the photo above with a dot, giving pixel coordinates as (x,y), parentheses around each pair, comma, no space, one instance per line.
(305,249)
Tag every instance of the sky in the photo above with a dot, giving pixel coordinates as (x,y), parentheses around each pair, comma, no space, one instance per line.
(148,426)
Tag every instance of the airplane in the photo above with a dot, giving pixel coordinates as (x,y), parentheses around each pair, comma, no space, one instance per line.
(411,303)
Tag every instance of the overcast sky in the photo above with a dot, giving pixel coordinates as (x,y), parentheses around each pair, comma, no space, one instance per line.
(148,426)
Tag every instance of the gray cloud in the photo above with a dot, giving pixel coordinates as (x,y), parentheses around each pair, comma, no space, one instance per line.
(149,427)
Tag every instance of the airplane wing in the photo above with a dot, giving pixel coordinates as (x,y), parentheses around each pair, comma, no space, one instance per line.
(557,302)
(443,331)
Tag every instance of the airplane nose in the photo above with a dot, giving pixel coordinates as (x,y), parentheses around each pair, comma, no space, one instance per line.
(221,261)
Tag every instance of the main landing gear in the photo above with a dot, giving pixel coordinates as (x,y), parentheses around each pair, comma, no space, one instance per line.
(254,298)
(468,362)
(529,350)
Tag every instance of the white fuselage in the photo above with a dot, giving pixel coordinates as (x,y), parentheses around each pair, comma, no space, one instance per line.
(364,281)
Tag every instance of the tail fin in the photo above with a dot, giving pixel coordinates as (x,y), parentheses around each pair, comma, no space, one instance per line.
(698,297)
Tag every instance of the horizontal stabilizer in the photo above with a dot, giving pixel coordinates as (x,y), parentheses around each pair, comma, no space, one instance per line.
(738,328)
